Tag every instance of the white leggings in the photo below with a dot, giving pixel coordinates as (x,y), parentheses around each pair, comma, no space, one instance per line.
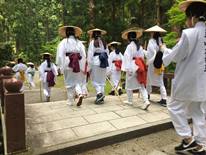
(163,91)
(143,92)
(179,112)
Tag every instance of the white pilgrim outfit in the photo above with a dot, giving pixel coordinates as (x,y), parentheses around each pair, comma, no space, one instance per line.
(189,83)
(73,80)
(30,72)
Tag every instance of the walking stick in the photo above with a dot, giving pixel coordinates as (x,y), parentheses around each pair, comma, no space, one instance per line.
(115,89)
(40,89)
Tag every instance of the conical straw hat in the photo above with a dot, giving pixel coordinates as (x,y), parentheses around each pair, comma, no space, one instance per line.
(184,5)
(139,32)
(103,32)
(77,30)
(156,28)
(114,43)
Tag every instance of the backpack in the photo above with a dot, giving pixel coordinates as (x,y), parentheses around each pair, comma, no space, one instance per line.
(158,60)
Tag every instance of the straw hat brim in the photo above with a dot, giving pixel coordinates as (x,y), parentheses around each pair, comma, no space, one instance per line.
(114,43)
(77,31)
(83,42)
(30,63)
(12,62)
(184,5)
(138,31)
(156,28)
(103,32)
(46,53)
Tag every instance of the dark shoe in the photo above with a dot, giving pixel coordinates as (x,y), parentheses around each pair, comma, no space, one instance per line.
(80,100)
(148,96)
(47,98)
(112,93)
(198,151)
(120,92)
(99,99)
(163,102)
(185,146)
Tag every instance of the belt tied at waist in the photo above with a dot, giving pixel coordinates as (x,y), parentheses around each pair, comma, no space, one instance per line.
(118,64)
(74,61)
(103,57)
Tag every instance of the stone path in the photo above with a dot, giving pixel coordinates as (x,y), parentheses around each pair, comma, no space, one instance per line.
(55,125)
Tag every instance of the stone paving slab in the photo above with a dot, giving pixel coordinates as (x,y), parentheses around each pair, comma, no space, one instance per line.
(56,126)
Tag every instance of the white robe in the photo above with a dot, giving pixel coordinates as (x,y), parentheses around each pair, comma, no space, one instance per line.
(19,67)
(43,76)
(130,67)
(70,45)
(152,78)
(30,72)
(189,83)
(98,75)
(115,75)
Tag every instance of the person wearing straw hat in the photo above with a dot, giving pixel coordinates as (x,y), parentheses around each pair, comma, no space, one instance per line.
(48,72)
(115,64)
(155,74)
(133,52)
(30,72)
(20,70)
(98,62)
(189,86)
(71,58)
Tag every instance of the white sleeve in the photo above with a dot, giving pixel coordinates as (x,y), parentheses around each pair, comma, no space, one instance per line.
(90,53)
(15,68)
(151,53)
(126,65)
(54,69)
(59,54)
(178,53)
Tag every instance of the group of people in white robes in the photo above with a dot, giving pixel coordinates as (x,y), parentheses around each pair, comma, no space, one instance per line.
(23,73)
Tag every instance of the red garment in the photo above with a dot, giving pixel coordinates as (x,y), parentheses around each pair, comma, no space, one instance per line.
(142,71)
(74,61)
(118,64)
(50,79)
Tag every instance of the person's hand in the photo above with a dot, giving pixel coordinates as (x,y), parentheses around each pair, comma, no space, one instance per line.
(162,47)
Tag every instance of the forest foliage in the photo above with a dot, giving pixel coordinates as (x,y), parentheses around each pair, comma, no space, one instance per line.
(30,27)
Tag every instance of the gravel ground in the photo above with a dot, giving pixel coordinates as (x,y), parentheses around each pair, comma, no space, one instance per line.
(161,143)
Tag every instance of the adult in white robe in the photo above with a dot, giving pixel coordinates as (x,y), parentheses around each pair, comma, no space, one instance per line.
(20,71)
(98,74)
(73,78)
(188,85)
(133,51)
(154,75)
(45,67)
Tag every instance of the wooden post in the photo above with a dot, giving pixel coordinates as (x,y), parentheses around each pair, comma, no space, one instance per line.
(2,78)
(14,123)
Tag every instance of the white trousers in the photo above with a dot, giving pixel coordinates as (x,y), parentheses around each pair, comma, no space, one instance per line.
(143,92)
(46,89)
(98,77)
(70,94)
(163,91)
(179,112)
(31,80)
(115,78)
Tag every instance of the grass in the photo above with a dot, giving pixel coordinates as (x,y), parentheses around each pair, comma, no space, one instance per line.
(91,89)
(60,84)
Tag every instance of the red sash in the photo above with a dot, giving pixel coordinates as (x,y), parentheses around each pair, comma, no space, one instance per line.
(142,71)
(118,64)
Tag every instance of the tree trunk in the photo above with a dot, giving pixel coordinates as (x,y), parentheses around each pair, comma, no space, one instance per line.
(64,11)
(158,12)
(142,12)
(91,13)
